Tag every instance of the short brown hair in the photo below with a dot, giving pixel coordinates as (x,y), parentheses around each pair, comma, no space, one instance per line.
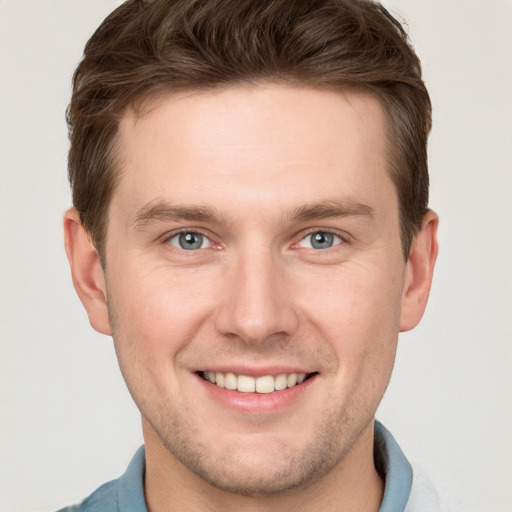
(150,47)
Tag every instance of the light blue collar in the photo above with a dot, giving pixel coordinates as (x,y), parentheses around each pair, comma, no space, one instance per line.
(397,471)
(130,494)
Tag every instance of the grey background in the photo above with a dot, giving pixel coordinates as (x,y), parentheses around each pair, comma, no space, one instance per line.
(67,424)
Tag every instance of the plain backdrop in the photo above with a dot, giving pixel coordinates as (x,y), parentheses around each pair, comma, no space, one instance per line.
(67,424)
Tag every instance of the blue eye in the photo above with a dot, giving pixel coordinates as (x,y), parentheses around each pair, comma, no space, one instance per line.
(320,240)
(189,241)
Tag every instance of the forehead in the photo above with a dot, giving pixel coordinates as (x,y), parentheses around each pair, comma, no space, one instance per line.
(254,146)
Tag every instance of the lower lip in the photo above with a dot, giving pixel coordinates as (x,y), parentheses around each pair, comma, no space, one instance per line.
(258,403)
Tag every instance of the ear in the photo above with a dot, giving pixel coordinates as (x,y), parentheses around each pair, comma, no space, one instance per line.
(86,271)
(419,272)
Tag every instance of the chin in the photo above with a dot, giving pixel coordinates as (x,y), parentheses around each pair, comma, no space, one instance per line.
(259,479)
(266,466)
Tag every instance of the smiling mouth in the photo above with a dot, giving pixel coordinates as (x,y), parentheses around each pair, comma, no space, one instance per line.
(264,384)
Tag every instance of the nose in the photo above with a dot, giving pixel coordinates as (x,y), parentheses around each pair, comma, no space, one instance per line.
(256,303)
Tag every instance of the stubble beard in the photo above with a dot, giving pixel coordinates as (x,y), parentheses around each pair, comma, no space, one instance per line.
(275,472)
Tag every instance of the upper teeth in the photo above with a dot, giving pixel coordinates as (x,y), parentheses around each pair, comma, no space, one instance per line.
(246,384)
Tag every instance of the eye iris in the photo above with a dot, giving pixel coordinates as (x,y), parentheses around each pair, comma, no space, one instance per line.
(322,240)
(189,241)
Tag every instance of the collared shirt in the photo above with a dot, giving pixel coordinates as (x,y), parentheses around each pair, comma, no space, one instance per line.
(126,494)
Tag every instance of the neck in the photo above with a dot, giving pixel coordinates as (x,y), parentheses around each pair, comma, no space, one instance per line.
(352,485)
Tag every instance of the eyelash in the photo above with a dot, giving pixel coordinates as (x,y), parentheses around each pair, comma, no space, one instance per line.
(342,239)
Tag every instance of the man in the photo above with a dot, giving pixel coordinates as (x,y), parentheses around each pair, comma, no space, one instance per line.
(250,224)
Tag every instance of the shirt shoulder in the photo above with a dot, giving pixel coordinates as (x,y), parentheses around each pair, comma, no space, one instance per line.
(407,488)
(103,499)
(423,497)
(126,494)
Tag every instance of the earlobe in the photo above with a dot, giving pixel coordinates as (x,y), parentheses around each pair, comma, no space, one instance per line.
(419,273)
(86,271)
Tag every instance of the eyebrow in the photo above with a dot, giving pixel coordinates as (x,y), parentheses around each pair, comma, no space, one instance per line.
(334,208)
(161,211)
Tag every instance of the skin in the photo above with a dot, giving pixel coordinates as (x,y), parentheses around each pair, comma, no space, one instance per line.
(253,169)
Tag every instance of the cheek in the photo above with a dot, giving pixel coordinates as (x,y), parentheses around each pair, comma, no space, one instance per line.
(356,312)
(157,310)
(353,299)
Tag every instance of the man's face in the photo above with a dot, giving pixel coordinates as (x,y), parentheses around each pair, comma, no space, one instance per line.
(255,232)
